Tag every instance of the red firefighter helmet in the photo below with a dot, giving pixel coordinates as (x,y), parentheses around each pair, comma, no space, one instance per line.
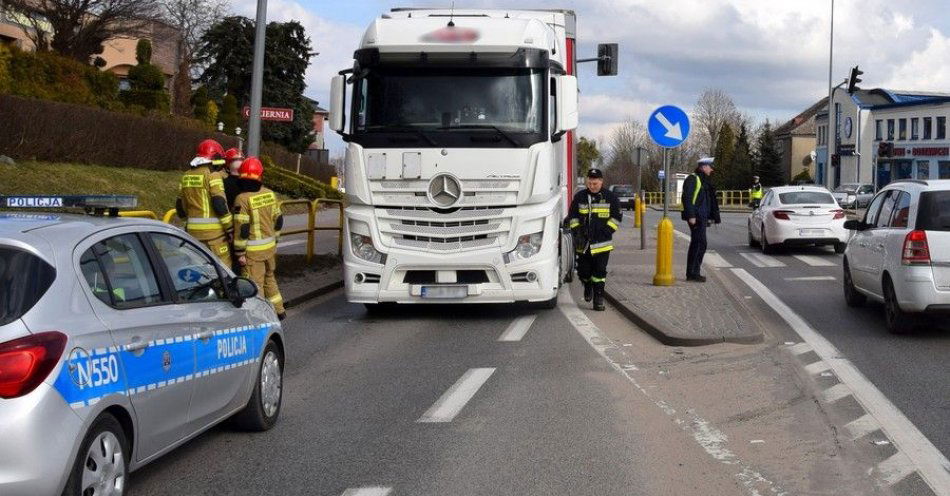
(252,168)
(209,149)
(233,154)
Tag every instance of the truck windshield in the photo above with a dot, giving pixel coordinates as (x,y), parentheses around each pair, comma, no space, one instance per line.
(453,106)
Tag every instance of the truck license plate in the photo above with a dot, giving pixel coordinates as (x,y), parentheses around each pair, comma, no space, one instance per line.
(444,291)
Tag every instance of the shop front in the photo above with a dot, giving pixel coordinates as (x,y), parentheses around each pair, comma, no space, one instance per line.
(923,162)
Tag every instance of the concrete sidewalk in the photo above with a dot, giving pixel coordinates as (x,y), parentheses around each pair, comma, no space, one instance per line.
(300,282)
(685,314)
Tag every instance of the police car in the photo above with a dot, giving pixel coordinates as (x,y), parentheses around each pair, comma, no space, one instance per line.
(120,339)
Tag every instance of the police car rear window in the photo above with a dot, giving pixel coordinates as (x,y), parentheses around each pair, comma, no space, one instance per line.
(24,279)
(933,213)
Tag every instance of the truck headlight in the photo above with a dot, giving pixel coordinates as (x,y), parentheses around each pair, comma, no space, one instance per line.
(528,246)
(363,248)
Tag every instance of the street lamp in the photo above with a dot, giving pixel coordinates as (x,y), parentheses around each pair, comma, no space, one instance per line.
(237,131)
(220,126)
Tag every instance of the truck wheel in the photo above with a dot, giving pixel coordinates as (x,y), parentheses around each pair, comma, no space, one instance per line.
(102,464)
(263,408)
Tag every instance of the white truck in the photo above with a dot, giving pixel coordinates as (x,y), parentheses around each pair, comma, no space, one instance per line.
(460,155)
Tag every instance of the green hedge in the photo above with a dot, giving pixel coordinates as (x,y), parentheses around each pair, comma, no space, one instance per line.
(49,76)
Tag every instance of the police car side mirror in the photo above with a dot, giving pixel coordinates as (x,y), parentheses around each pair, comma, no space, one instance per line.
(855,225)
(242,289)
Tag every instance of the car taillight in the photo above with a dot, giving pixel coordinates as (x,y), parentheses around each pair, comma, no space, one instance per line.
(916,250)
(839,214)
(25,362)
(781,214)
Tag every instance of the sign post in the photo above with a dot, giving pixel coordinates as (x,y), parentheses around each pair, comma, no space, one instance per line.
(669,128)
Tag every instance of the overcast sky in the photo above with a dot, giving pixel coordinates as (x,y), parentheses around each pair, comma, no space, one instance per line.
(771,56)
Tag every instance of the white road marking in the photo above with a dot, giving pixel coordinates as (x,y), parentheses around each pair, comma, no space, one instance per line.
(714,259)
(836,392)
(711,439)
(518,328)
(815,261)
(896,468)
(811,278)
(817,367)
(760,260)
(861,426)
(368,491)
(800,348)
(932,465)
(452,402)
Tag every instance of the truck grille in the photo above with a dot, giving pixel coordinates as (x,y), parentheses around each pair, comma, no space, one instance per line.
(462,229)
(475,192)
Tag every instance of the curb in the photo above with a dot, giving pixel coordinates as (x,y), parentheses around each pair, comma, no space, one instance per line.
(666,334)
(309,295)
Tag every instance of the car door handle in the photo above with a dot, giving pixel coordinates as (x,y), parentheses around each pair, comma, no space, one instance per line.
(205,335)
(136,346)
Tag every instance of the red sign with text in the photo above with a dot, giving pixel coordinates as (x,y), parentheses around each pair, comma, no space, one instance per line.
(272,114)
(922,152)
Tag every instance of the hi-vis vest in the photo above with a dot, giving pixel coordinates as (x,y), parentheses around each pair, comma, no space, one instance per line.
(255,224)
(756,192)
(197,190)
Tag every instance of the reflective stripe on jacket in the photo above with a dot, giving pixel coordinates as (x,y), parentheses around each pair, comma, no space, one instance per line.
(257,222)
(201,194)
(594,218)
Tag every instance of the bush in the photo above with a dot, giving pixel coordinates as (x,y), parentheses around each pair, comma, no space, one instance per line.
(146,81)
(5,57)
(52,77)
(229,113)
(289,183)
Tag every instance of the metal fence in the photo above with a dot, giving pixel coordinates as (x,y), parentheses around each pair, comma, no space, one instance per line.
(728,198)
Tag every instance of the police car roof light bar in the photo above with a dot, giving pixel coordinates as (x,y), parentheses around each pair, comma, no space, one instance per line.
(93,204)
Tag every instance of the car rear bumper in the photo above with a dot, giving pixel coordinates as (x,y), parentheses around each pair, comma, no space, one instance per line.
(811,241)
(917,292)
(805,234)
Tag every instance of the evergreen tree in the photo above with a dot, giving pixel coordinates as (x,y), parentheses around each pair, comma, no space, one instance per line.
(199,104)
(229,113)
(768,164)
(725,149)
(146,82)
(740,170)
(587,155)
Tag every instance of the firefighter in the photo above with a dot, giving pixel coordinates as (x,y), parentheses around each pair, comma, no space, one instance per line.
(756,193)
(257,224)
(594,218)
(232,170)
(202,204)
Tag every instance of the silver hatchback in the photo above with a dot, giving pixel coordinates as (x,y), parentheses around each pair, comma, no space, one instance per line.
(121,339)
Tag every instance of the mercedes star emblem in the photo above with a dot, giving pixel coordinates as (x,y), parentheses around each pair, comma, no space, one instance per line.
(444,190)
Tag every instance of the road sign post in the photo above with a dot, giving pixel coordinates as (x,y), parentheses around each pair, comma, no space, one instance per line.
(669,128)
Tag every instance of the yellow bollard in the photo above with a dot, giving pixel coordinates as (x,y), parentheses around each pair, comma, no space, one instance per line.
(637,212)
(664,254)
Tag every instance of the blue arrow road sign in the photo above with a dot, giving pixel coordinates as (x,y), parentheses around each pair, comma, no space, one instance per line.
(668,126)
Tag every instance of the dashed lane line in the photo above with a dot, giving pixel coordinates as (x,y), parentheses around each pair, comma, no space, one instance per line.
(799,348)
(368,491)
(811,278)
(836,392)
(817,367)
(815,261)
(861,426)
(933,466)
(518,328)
(716,260)
(454,400)
(760,260)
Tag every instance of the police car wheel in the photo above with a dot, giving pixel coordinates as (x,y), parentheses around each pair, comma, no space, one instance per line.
(263,408)
(101,466)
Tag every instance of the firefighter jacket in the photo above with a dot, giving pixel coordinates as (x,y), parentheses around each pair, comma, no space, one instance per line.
(202,204)
(594,218)
(699,199)
(257,224)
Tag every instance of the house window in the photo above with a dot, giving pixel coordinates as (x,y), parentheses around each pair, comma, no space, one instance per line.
(914,128)
(941,128)
(890,130)
(902,129)
(877,130)
(928,121)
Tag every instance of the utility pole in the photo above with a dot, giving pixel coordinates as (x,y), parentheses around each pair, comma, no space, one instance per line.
(257,81)
(831,92)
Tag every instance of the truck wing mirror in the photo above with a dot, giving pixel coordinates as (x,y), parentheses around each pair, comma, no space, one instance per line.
(337,103)
(566,103)
(607,61)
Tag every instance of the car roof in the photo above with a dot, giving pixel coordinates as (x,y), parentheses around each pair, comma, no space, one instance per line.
(922,184)
(61,226)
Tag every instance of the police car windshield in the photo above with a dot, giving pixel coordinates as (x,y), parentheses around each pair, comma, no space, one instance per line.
(24,279)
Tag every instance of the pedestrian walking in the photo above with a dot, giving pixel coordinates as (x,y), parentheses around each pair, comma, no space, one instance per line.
(756,193)
(700,210)
(257,224)
(594,217)
(201,202)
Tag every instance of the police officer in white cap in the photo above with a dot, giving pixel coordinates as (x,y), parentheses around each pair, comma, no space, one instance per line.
(700,209)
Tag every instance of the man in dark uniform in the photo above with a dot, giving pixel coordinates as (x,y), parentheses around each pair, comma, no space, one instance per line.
(700,209)
(594,218)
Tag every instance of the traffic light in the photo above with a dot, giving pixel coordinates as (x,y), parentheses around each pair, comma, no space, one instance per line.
(854,79)
(607,61)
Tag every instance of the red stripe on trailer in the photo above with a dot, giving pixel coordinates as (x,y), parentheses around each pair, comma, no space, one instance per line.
(570,67)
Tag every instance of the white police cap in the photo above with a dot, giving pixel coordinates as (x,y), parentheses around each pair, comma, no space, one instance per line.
(706,161)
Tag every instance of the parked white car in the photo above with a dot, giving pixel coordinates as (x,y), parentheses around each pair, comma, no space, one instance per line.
(798,216)
(854,195)
(900,253)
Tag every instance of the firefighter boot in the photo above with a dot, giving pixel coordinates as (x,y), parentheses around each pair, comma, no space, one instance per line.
(599,298)
(588,292)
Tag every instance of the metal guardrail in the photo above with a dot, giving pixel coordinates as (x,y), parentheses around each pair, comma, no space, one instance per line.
(312,207)
(727,198)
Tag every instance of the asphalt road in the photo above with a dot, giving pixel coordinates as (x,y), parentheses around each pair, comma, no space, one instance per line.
(911,370)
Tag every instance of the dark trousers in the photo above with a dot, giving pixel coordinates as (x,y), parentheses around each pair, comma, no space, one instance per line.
(592,269)
(697,247)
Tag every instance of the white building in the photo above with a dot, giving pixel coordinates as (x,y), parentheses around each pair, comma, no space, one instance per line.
(913,125)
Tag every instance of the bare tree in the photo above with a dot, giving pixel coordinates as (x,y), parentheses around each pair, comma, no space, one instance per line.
(191,18)
(78,28)
(713,109)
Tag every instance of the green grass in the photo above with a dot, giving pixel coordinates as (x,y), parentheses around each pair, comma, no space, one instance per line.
(156,190)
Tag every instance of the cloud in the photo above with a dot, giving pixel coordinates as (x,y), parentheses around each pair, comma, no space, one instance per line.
(925,70)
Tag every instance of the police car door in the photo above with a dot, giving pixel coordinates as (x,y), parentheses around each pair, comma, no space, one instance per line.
(228,345)
(155,342)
